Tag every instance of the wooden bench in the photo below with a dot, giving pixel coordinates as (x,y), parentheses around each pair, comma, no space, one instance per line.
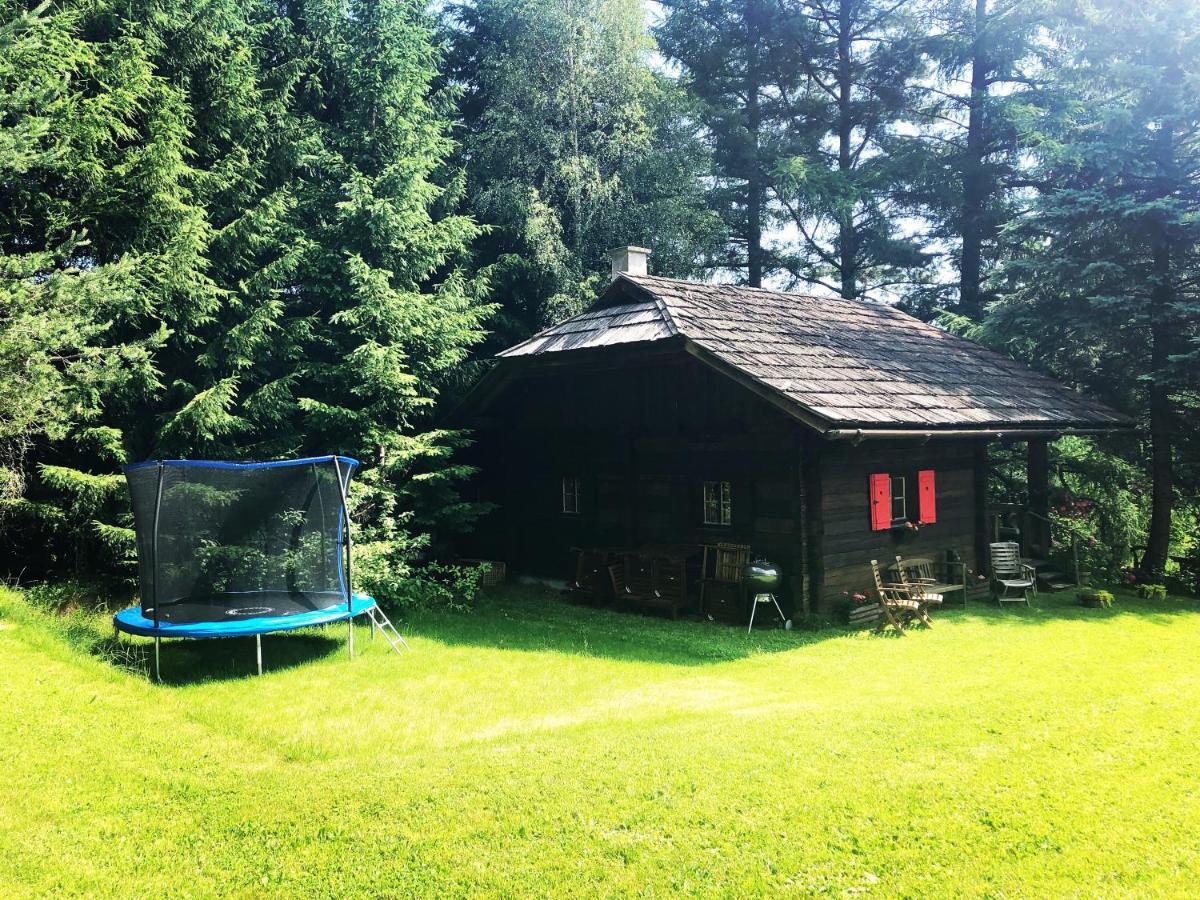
(660,583)
(924,573)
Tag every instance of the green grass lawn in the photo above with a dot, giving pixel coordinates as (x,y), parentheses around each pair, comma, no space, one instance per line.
(534,748)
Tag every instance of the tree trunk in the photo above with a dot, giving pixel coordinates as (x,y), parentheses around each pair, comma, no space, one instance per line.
(1162,473)
(847,237)
(974,182)
(1037,538)
(754,175)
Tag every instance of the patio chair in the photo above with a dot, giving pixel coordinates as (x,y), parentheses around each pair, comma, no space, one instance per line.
(628,583)
(590,574)
(896,606)
(918,574)
(1010,573)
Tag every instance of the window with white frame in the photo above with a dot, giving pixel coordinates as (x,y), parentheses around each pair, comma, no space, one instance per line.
(718,503)
(899,503)
(570,495)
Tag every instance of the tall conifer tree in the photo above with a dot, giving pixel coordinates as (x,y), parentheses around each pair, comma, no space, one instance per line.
(1104,284)
(572,145)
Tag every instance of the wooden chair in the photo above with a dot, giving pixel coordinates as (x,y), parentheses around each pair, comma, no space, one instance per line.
(668,579)
(721,569)
(896,607)
(660,583)
(1009,573)
(921,574)
(623,587)
(591,574)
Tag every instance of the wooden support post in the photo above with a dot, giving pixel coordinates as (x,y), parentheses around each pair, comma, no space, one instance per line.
(983,525)
(1038,465)
(814,527)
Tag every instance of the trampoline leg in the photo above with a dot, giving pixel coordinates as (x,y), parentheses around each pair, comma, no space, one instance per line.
(258,647)
(351,641)
(157,669)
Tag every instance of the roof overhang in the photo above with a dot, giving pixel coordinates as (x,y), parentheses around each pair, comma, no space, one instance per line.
(997,433)
(506,369)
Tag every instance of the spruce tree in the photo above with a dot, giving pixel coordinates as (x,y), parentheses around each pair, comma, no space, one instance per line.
(987,84)
(739,60)
(848,186)
(1104,282)
(299,271)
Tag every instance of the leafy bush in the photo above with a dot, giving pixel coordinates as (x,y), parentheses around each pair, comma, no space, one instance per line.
(1152,591)
(388,575)
(67,596)
(1101,599)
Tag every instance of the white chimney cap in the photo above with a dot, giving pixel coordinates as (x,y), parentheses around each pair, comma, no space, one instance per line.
(628,260)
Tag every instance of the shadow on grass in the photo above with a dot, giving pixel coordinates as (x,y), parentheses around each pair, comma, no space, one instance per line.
(1064,605)
(540,620)
(184,661)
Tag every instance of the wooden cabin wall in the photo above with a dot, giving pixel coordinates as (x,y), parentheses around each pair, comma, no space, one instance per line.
(848,544)
(643,437)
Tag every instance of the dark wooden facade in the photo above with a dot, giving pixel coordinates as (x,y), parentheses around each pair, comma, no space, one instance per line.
(644,429)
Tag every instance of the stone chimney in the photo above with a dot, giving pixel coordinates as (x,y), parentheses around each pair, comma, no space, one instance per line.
(628,260)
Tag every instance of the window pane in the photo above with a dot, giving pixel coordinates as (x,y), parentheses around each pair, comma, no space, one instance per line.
(718,505)
(570,494)
(899,507)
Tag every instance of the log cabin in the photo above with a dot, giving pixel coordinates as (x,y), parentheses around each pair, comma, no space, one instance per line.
(821,432)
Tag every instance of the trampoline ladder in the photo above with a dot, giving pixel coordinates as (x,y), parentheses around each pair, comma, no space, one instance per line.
(387,629)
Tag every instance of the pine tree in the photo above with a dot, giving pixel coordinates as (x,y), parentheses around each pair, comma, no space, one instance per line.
(987,85)
(739,60)
(83,125)
(290,211)
(1105,283)
(572,146)
(847,186)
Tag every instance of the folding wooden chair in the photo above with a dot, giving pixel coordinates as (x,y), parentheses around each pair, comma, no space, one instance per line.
(896,606)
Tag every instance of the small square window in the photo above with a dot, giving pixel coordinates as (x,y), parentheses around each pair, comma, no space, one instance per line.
(570,495)
(718,503)
(899,503)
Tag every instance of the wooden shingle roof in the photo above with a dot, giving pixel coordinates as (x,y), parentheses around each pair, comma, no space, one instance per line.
(836,364)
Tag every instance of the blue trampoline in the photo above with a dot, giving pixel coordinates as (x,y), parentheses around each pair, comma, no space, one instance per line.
(228,549)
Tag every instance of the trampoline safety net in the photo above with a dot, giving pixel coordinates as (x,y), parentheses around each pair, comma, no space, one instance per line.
(221,541)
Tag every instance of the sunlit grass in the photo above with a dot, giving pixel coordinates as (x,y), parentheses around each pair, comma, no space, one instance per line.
(538,748)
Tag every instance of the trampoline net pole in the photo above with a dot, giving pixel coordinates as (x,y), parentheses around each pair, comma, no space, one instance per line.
(349,549)
(154,545)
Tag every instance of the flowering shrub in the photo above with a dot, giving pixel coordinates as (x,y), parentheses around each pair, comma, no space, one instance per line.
(857,596)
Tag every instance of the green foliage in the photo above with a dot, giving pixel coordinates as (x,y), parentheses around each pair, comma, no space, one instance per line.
(1100,285)
(574,146)
(401,588)
(1152,591)
(989,79)
(739,61)
(1096,599)
(67,595)
(271,208)
(68,107)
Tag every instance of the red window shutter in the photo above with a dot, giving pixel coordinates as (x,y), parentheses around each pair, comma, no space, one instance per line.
(881,502)
(927,499)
